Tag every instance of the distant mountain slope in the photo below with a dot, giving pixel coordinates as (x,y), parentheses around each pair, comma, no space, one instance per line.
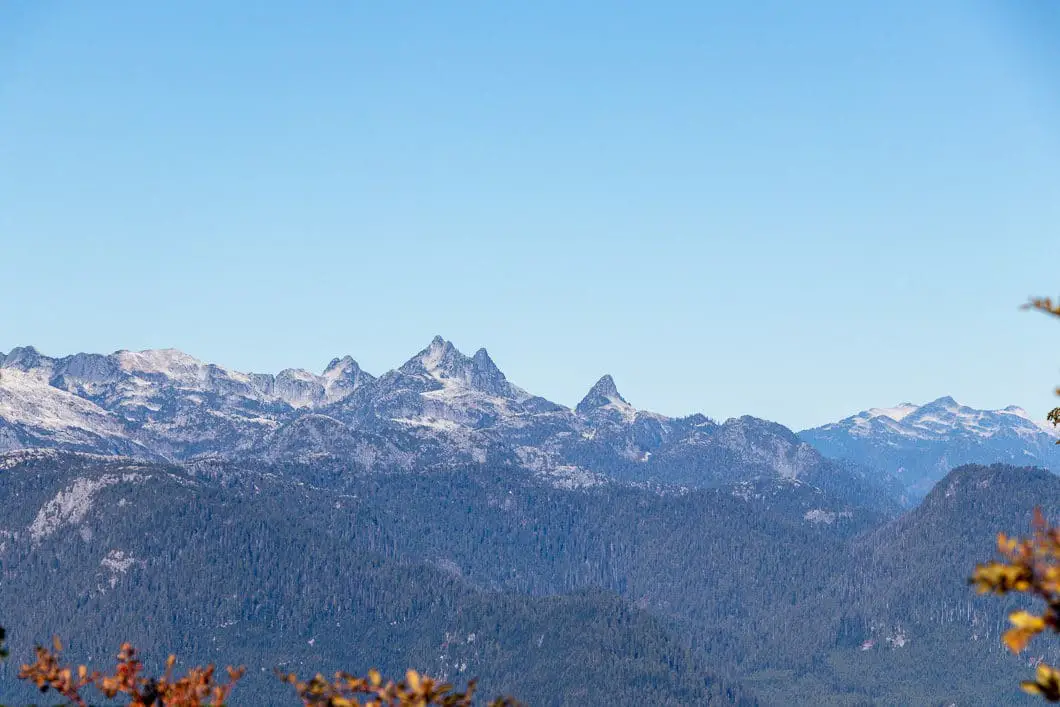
(101,550)
(904,607)
(36,414)
(172,404)
(920,444)
(439,410)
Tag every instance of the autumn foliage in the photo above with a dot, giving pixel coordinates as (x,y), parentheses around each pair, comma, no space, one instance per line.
(1032,566)
(346,690)
(200,688)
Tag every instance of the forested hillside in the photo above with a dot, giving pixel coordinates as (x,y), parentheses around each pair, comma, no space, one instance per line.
(254,570)
(768,589)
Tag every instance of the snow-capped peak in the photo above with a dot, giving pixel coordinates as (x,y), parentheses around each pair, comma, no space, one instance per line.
(49,416)
(1044,425)
(943,416)
(170,363)
(946,402)
(896,413)
(922,444)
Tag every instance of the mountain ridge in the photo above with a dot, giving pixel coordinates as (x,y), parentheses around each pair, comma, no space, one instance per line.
(438,409)
(919,444)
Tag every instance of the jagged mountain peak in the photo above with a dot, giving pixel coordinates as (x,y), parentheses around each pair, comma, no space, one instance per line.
(604,395)
(25,350)
(440,347)
(23,357)
(447,408)
(299,374)
(605,389)
(482,358)
(341,365)
(444,363)
(485,375)
(342,377)
(440,359)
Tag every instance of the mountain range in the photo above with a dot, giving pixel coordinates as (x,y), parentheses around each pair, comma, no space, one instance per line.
(919,444)
(438,410)
(442,408)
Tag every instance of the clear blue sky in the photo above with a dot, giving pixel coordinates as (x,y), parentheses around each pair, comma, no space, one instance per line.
(790,209)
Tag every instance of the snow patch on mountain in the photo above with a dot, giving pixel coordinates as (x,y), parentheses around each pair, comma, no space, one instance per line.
(458,375)
(177,366)
(117,561)
(942,417)
(1044,425)
(27,397)
(114,565)
(71,505)
(920,445)
(817,516)
(431,422)
(568,476)
(896,413)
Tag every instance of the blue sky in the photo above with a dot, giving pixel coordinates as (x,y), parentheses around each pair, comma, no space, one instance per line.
(792,210)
